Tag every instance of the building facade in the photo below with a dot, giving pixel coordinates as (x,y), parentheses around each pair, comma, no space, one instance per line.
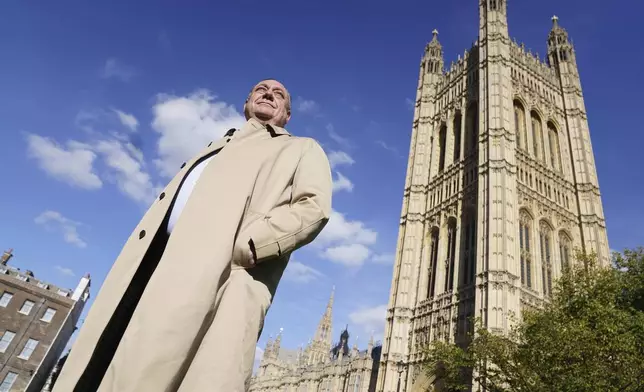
(36,321)
(501,187)
(321,366)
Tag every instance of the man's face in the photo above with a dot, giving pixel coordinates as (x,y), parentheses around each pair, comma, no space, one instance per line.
(269,102)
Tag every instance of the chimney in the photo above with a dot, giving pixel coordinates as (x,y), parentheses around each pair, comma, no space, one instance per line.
(8,254)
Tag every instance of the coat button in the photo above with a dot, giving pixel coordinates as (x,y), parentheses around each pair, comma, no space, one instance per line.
(183,165)
(209,144)
(141,234)
(162,195)
(227,140)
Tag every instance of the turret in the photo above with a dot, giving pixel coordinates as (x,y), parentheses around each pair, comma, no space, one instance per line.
(561,53)
(434,55)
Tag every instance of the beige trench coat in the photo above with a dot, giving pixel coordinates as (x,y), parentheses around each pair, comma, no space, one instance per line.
(194,313)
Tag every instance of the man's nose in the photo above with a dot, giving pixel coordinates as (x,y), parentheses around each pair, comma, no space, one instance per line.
(269,95)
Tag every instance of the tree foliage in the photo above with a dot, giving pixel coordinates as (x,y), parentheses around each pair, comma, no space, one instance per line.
(588,337)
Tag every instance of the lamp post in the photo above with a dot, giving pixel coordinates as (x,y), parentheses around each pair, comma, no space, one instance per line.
(401,369)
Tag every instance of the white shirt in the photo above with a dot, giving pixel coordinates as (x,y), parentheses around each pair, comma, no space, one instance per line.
(184,193)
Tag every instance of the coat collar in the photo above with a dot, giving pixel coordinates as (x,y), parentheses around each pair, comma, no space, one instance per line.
(252,126)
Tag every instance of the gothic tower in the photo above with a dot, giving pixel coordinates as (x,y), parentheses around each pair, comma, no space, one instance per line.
(501,186)
(318,350)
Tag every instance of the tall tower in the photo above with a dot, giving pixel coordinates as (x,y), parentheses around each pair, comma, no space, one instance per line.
(500,188)
(318,350)
(561,56)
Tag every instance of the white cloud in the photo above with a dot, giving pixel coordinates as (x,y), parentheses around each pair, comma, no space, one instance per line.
(337,158)
(337,138)
(127,120)
(301,273)
(126,168)
(339,229)
(352,255)
(371,320)
(341,183)
(387,147)
(55,221)
(73,164)
(384,258)
(65,271)
(187,124)
(113,68)
(345,242)
(306,106)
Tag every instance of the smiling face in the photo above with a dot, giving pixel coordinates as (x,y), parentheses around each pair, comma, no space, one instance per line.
(269,103)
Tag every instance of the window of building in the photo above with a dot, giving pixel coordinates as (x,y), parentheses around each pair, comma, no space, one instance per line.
(545,236)
(356,383)
(457,138)
(26,307)
(29,348)
(525,224)
(564,250)
(442,138)
(8,381)
(434,263)
(49,315)
(519,126)
(537,136)
(555,149)
(7,337)
(471,128)
(5,299)
(451,257)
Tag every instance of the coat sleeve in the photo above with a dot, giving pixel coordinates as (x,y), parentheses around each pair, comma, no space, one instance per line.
(291,226)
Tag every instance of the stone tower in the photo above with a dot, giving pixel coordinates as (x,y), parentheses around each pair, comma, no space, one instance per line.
(501,186)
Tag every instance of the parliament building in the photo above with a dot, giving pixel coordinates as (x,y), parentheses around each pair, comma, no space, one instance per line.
(321,366)
(501,188)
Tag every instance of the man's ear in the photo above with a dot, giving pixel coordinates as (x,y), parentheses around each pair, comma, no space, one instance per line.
(246,113)
(288,116)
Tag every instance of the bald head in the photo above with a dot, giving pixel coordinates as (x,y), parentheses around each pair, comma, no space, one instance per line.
(269,103)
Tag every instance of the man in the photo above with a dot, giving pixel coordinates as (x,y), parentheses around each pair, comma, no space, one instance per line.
(183,305)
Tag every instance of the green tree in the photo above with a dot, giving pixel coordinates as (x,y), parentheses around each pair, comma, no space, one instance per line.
(589,337)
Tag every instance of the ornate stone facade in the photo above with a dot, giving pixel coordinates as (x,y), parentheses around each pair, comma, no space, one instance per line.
(501,187)
(321,367)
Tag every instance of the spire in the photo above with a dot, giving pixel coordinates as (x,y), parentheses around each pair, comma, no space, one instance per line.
(434,55)
(323,333)
(560,48)
(318,349)
(277,344)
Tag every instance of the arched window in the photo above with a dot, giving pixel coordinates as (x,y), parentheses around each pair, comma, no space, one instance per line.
(545,237)
(555,150)
(471,128)
(442,137)
(565,244)
(457,137)
(537,136)
(451,254)
(433,259)
(525,225)
(519,126)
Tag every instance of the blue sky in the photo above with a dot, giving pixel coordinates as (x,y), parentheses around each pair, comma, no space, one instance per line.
(90,95)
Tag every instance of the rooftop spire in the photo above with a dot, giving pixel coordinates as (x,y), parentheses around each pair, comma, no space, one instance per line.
(435,35)
(555,20)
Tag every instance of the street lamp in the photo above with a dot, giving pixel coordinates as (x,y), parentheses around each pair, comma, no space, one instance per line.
(401,369)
